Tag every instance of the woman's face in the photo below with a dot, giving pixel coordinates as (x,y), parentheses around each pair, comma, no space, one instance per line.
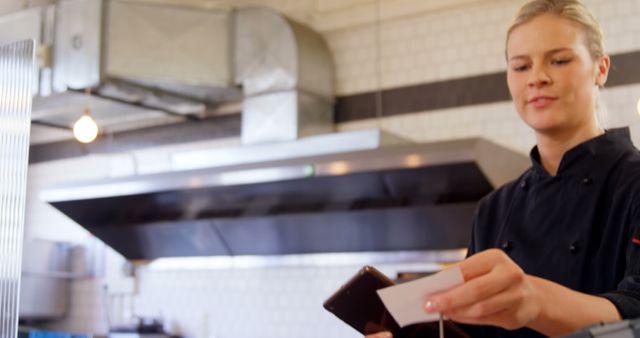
(552,76)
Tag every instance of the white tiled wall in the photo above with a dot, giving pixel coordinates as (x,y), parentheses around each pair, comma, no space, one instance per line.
(449,44)
(422,48)
(286,302)
(269,303)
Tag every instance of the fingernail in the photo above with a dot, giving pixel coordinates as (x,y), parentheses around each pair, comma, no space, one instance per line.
(384,335)
(431,306)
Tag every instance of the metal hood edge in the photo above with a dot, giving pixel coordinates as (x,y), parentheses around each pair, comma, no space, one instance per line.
(411,197)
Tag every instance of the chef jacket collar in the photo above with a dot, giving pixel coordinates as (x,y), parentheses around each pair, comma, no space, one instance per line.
(580,159)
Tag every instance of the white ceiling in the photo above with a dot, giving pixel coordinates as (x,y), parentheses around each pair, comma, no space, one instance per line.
(322,15)
(327,15)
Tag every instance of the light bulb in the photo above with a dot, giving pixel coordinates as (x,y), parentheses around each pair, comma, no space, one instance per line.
(638,106)
(85,129)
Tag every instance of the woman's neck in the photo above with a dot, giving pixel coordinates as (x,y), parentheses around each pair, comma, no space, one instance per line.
(552,146)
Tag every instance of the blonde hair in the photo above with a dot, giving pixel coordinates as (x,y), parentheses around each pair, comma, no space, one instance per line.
(572,10)
(577,12)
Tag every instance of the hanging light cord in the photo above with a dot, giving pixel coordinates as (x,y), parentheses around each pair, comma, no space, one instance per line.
(378,64)
(87,92)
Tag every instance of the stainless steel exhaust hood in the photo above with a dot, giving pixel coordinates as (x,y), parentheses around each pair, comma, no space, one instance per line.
(395,198)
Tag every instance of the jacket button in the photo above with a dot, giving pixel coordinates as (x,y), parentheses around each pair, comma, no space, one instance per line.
(507,246)
(573,248)
(587,181)
(523,185)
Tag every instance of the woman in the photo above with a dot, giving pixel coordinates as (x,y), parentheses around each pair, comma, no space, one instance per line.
(555,250)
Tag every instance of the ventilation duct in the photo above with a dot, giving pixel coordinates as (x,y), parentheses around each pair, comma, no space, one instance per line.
(184,62)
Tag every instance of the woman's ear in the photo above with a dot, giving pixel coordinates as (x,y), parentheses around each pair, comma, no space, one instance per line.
(603,70)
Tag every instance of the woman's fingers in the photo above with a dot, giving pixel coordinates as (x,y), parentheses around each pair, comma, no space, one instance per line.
(507,319)
(491,272)
(490,306)
(482,263)
(497,319)
(384,334)
(496,292)
(471,292)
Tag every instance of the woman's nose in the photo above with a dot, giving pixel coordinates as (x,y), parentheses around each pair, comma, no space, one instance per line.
(538,77)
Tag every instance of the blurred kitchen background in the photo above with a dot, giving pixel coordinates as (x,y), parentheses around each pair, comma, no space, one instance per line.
(252,155)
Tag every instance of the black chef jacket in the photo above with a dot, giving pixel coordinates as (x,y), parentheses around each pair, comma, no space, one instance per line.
(577,228)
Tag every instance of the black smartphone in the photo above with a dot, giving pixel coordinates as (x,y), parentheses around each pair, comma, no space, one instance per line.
(357,303)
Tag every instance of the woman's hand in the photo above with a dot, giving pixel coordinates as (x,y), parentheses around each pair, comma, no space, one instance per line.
(496,292)
(384,334)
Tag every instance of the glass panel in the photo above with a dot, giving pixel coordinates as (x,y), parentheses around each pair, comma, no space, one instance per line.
(16,73)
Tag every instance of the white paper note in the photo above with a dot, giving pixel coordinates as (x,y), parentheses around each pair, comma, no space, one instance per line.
(406,301)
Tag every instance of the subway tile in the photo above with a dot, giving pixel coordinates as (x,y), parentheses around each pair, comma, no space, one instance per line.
(627,42)
(615,27)
(623,7)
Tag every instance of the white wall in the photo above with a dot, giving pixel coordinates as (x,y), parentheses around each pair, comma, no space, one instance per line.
(12,6)
(286,302)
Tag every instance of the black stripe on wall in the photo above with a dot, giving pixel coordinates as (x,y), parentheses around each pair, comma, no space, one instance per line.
(429,96)
(625,69)
(460,92)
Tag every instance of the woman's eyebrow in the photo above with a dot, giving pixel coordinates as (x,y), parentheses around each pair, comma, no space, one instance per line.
(517,57)
(557,50)
(549,52)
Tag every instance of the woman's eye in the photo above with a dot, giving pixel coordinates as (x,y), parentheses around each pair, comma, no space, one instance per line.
(560,61)
(520,68)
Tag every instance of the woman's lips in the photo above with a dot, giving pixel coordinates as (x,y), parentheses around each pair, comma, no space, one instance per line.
(541,101)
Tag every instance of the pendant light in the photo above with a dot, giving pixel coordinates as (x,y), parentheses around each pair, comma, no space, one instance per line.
(85,129)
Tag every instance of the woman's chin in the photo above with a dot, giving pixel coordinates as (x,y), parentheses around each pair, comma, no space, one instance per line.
(545,126)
